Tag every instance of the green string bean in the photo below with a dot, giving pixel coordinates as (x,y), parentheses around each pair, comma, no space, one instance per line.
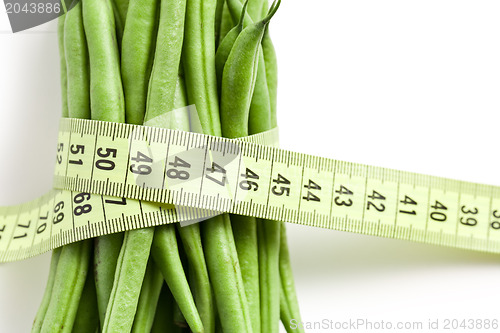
(286,275)
(138,45)
(225,48)
(40,315)
(77,64)
(166,255)
(226,22)
(68,285)
(87,316)
(148,299)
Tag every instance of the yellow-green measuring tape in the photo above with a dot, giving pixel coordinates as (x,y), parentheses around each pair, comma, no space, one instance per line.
(112,177)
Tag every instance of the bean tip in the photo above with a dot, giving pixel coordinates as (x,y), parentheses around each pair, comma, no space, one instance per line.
(272,10)
(242,15)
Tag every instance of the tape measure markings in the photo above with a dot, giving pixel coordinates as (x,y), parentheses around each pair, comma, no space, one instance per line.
(81,229)
(102,218)
(292,159)
(217,175)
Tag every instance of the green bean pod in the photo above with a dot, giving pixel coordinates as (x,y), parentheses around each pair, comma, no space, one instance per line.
(162,85)
(62,65)
(148,300)
(269,250)
(286,274)
(285,316)
(239,77)
(226,22)
(180,119)
(106,251)
(247,247)
(263,105)
(271,65)
(138,44)
(87,317)
(166,255)
(68,285)
(129,275)
(260,106)
(202,290)
(77,64)
(225,275)
(199,63)
(107,101)
(225,48)
(42,309)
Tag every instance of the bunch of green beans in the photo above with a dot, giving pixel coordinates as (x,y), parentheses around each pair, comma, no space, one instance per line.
(143,62)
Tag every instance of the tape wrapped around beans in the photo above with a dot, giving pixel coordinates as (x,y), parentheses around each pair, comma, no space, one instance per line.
(112,177)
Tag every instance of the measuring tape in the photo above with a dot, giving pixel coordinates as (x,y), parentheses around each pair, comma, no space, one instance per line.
(61,217)
(115,177)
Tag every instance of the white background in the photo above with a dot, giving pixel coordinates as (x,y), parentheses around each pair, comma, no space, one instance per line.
(412,85)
